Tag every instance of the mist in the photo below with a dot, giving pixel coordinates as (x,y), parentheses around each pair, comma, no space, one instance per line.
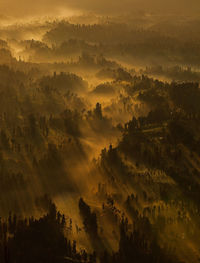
(37,8)
(99,131)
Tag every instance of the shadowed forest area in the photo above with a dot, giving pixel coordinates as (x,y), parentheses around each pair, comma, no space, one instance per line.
(100,138)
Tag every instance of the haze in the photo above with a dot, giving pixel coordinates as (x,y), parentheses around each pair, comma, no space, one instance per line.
(99,131)
(23,8)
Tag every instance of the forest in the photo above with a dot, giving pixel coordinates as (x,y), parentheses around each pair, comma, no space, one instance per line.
(100,138)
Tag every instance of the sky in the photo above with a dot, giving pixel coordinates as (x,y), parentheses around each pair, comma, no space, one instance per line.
(24,8)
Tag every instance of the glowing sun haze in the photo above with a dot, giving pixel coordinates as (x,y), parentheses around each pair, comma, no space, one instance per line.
(22,8)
